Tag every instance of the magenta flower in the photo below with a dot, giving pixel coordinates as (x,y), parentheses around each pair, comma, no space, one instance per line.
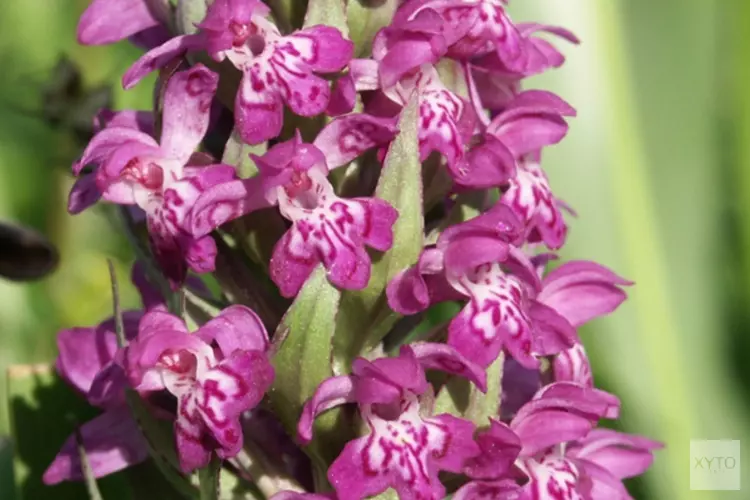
(482,31)
(133,169)
(86,361)
(276,69)
(216,374)
(325,228)
(108,21)
(530,446)
(405,448)
(476,260)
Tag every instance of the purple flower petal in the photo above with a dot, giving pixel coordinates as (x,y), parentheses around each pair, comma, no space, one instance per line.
(108,21)
(83,194)
(581,291)
(112,442)
(347,137)
(332,392)
(236,328)
(159,57)
(447,359)
(187,102)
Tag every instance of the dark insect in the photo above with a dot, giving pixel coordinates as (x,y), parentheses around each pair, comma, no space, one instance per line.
(68,105)
(25,255)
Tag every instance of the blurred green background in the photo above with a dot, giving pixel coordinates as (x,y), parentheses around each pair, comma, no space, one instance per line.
(657,165)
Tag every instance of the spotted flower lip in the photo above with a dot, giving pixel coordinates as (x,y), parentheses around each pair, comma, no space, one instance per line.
(471,261)
(277,70)
(133,169)
(108,21)
(404,449)
(325,228)
(216,374)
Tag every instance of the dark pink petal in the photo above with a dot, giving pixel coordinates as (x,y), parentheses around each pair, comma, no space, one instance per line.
(234,386)
(572,365)
(587,403)
(236,328)
(142,121)
(350,476)
(107,141)
(378,218)
(601,483)
(291,264)
(623,455)
(108,21)
(187,103)
(385,380)
(193,448)
(225,202)
(552,332)
(581,291)
(539,431)
(461,448)
(112,441)
(499,447)
(519,385)
(445,358)
(259,113)
(200,255)
(332,392)
(151,37)
(330,51)
(158,57)
(463,255)
(347,137)
(343,97)
(83,194)
(407,292)
(108,387)
(83,353)
(488,164)
(488,490)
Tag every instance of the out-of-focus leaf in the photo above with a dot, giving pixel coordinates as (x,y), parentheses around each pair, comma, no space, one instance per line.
(188,13)
(366,18)
(365,317)
(303,361)
(237,153)
(328,12)
(43,413)
(208,478)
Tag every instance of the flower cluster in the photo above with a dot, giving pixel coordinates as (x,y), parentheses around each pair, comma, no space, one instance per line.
(355,185)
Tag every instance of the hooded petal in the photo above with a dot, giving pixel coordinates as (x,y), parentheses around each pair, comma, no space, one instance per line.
(187,103)
(112,442)
(488,490)
(332,392)
(159,57)
(623,455)
(552,333)
(83,194)
(347,137)
(107,141)
(224,202)
(488,164)
(108,21)
(445,358)
(499,447)
(236,328)
(385,380)
(581,291)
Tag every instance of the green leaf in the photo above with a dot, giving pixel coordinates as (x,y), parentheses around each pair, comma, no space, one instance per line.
(237,153)
(365,317)
(462,398)
(44,411)
(188,13)
(366,18)
(303,361)
(208,479)
(328,12)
